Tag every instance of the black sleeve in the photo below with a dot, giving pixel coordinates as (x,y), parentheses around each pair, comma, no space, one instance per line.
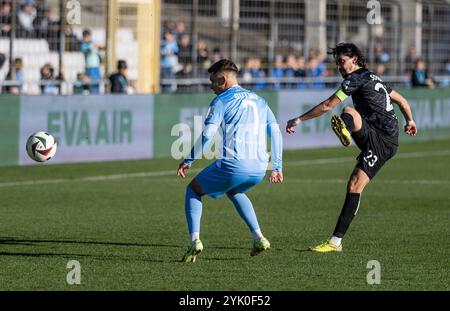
(351,84)
(388,88)
(115,85)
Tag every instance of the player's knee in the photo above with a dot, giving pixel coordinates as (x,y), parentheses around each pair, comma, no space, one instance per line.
(231,193)
(195,187)
(351,111)
(354,185)
(347,109)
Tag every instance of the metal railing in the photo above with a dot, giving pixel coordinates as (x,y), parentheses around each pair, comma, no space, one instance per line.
(203,84)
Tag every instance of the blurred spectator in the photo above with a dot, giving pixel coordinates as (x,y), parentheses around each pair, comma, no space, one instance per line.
(118,80)
(2,60)
(446,68)
(419,76)
(180,29)
(169,26)
(82,85)
(216,55)
(381,59)
(42,21)
(203,57)
(295,68)
(93,61)
(410,58)
(277,71)
(301,67)
(380,69)
(185,55)
(53,35)
(5,19)
(169,57)
(258,72)
(47,76)
(252,70)
(291,66)
(26,16)
(445,72)
(316,68)
(72,42)
(19,76)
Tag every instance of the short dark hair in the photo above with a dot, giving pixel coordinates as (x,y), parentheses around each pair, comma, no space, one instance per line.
(419,60)
(350,50)
(87,32)
(223,65)
(122,64)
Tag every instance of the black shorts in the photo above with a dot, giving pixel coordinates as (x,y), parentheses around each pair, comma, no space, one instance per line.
(375,147)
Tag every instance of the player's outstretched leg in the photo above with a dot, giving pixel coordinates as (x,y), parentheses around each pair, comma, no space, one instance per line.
(356,185)
(341,131)
(193,209)
(348,212)
(245,209)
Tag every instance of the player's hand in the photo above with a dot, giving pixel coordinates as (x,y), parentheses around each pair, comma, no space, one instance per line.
(182,170)
(276,177)
(291,124)
(411,128)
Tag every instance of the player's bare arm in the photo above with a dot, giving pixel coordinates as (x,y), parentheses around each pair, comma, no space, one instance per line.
(410,127)
(322,108)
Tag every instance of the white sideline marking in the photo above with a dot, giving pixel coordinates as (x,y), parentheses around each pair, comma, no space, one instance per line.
(409,155)
(385,181)
(292,163)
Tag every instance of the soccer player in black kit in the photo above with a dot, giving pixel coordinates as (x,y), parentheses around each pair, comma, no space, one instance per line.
(372,124)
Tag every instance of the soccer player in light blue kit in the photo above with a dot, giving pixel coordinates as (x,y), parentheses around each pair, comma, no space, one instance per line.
(245,120)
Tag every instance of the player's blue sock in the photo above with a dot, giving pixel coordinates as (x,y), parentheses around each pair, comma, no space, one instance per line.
(193,209)
(245,208)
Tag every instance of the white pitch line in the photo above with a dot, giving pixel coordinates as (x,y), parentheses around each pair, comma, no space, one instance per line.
(386,181)
(173,172)
(409,155)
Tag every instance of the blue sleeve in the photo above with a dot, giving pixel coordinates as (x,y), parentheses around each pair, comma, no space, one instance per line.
(276,141)
(215,112)
(86,47)
(212,123)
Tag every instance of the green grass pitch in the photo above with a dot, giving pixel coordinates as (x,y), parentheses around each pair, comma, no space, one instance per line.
(124,222)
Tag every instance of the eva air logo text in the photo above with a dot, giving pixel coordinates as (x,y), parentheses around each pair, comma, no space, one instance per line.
(75,128)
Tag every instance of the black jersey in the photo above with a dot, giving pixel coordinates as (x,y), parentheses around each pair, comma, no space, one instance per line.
(371,99)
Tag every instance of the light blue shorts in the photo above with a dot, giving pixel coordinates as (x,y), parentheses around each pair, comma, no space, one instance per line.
(215,182)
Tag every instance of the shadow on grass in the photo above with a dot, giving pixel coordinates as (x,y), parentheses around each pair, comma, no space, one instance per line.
(32,242)
(75,256)
(36,242)
(35,253)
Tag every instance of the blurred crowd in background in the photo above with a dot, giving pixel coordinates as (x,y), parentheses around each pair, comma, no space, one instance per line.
(179,59)
(36,20)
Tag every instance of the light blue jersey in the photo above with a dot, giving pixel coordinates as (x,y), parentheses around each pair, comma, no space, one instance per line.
(245,120)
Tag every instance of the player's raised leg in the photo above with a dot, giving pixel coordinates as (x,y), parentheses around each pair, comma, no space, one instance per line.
(245,209)
(193,210)
(358,181)
(350,121)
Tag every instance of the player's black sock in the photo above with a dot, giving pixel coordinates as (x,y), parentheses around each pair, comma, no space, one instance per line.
(349,210)
(348,120)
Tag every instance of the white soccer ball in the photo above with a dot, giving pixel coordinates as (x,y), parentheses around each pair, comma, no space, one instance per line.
(41,146)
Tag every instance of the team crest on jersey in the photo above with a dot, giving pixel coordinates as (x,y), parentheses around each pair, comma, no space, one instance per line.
(346,84)
(375,78)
